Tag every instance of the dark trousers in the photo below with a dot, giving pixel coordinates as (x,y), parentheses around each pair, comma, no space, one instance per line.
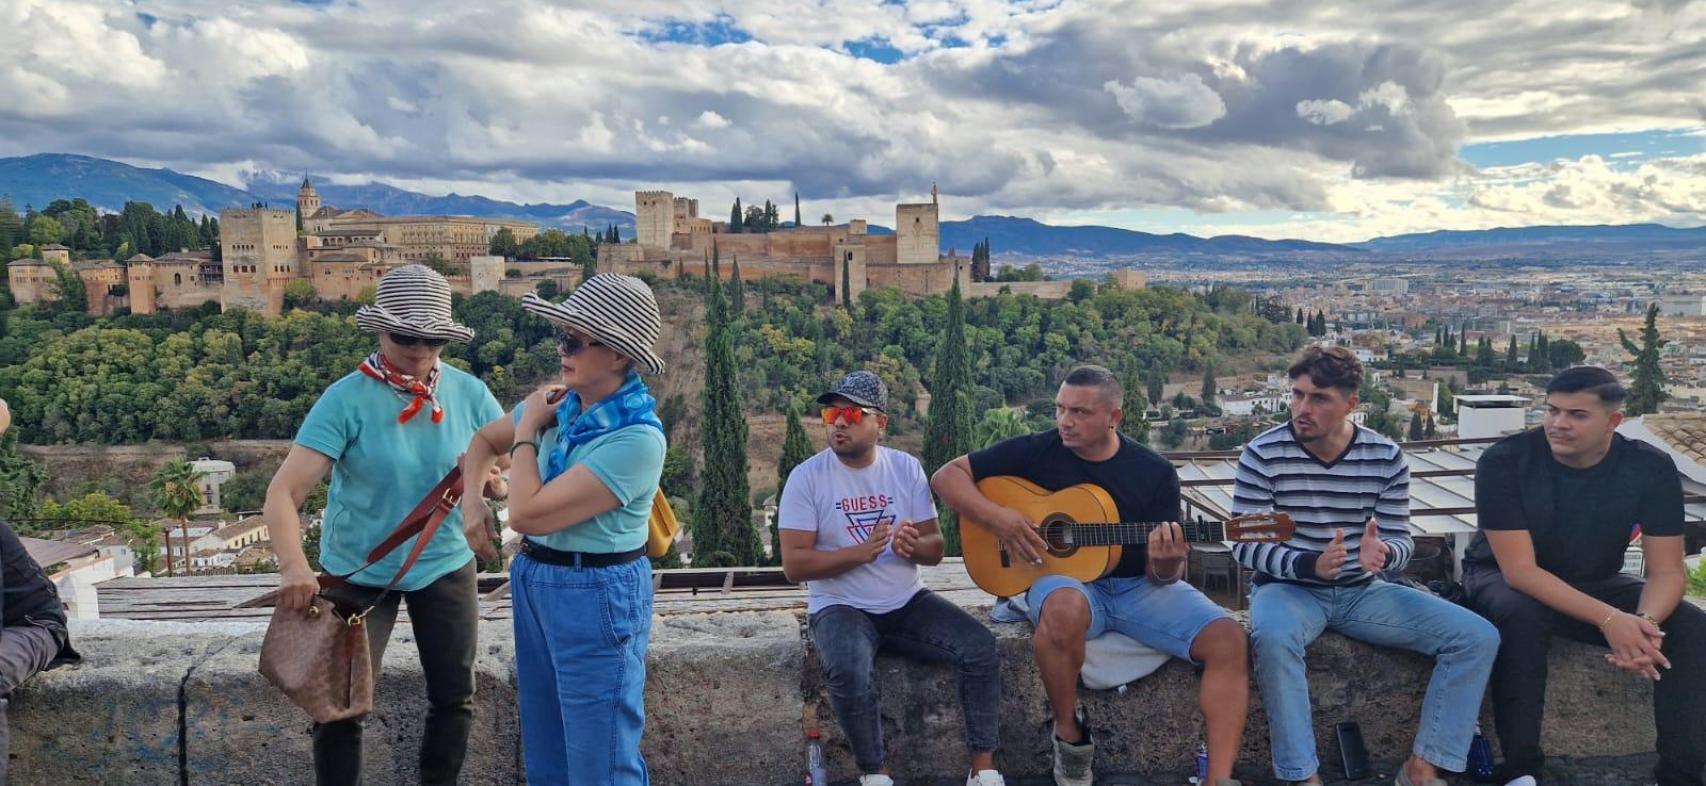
(928,628)
(1526,627)
(24,650)
(445,615)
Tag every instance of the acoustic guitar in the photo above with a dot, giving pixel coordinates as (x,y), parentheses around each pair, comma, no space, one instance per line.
(1082,528)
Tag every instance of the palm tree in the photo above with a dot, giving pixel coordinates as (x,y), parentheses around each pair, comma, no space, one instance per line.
(176,492)
(999,424)
(828,219)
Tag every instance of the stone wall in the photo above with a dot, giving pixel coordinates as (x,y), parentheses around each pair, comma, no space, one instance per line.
(163,703)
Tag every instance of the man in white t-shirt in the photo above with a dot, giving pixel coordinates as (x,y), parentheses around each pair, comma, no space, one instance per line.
(856,521)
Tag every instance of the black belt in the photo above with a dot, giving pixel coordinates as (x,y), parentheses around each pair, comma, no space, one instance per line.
(578,559)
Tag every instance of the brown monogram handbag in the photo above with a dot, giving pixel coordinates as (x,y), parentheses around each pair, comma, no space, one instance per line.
(318,657)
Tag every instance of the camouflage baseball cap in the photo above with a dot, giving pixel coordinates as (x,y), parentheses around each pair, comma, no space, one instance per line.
(860,387)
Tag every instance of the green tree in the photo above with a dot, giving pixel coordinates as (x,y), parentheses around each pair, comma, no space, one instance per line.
(1208,385)
(11,226)
(736,217)
(797,222)
(1447,401)
(21,477)
(1511,359)
(175,491)
(1647,388)
(73,296)
(846,284)
(44,230)
(1133,405)
(244,492)
(504,244)
(796,448)
(1417,429)
(996,425)
(737,290)
(1174,433)
(722,516)
(948,427)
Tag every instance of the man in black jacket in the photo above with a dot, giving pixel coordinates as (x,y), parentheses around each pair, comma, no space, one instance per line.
(33,637)
(1557,508)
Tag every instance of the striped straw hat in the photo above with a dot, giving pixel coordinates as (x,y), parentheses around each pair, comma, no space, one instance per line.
(413,300)
(616,311)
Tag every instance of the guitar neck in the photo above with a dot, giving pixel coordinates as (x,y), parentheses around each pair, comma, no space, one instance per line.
(1121,533)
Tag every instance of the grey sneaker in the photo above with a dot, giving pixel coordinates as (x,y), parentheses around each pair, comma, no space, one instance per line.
(1072,762)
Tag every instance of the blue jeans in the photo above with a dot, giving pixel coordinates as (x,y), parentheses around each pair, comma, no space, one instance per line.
(928,628)
(1167,617)
(1285,618)
(580,668)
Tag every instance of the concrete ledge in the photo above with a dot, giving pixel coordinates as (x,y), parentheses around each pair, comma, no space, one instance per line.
(182,703)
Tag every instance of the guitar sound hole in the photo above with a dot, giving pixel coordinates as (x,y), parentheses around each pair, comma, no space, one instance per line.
(1057,533)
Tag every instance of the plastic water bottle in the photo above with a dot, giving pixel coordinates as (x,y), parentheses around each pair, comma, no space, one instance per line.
(1202,763)
(815,775)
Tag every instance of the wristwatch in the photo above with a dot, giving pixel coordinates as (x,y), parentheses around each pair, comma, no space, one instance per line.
(1648,617)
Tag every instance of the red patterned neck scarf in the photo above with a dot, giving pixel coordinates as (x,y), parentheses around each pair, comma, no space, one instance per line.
(407,388)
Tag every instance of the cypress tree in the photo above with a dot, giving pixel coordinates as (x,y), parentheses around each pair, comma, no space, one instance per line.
(1417,430)
(1133,404)
(1544,363)
(737,290)
(1208,384)
(1463,344)
(1299,315)
(847,285)
(735,218)
(796,448)
(1510,355)
(1647,389)
(1429,431)
(797,223)
(948,430)
(722,519)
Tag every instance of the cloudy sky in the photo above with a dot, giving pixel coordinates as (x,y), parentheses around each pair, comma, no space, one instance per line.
(1323,120)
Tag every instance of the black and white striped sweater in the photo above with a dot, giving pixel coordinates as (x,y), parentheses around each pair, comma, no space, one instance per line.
(1370,480)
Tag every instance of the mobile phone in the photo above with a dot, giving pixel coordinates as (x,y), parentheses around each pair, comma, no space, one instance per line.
(1353,754)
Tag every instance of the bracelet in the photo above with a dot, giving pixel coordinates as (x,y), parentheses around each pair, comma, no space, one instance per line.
(1609,618)
(523,442)
(1648,617)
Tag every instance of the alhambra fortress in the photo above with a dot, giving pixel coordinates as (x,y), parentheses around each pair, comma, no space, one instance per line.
(340,253)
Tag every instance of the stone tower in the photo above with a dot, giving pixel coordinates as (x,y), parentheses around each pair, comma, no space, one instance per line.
(139,275)
(259,248)
(654,217)
(307,200)
(918,234)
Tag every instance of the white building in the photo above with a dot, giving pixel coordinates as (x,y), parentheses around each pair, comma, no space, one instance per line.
(1246,404)
(1683,305)
(214,474)
(1491,415)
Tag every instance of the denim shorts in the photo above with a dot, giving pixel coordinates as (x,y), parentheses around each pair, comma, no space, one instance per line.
(1167,617)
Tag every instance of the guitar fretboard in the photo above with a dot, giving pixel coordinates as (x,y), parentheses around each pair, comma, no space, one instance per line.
(1123,533)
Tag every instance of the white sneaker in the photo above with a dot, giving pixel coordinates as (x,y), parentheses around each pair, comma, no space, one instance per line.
(875,779)
(985,778)
(1072,762)
(1526,780)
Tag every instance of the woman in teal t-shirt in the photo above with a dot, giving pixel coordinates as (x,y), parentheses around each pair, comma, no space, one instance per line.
(586,469)
(388,433)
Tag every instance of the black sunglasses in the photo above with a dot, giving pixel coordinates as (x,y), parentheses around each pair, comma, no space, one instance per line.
(410,341)
(571,345)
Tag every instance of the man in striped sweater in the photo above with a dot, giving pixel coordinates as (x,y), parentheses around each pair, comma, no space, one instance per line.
(1347,488)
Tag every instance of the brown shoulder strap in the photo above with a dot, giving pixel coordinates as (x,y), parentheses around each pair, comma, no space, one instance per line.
(424,521)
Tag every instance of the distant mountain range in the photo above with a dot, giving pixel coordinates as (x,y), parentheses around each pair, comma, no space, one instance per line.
(39,179)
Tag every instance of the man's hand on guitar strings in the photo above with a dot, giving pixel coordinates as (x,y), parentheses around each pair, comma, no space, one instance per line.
(1019,536)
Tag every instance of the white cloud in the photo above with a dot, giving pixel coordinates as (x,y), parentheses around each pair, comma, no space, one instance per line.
(1169,103)
(1324,112)
(1354,112)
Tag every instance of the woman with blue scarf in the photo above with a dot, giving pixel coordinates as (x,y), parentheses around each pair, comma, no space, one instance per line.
(587,459)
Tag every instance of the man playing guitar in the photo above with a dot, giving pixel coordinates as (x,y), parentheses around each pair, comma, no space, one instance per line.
(1142,597)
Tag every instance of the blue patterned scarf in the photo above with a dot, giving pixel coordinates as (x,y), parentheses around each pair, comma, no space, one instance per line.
(631,405)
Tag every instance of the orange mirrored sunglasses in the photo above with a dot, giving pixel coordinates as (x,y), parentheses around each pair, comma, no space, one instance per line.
(853,414)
